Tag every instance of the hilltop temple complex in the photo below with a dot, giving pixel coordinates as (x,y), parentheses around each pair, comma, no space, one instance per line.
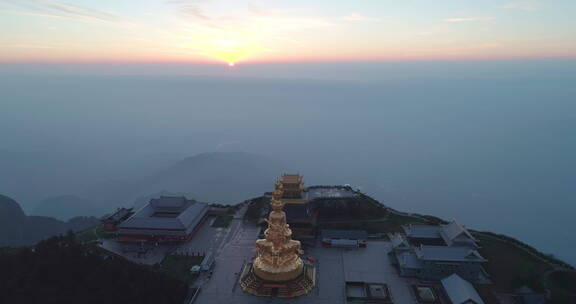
(293,189)
(278,270)
(405,259)
(301,214)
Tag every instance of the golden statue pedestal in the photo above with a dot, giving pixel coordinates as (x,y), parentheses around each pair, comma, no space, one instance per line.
(251,283)
(278,269)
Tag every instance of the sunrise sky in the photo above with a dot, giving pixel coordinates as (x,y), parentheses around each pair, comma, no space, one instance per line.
(222,31)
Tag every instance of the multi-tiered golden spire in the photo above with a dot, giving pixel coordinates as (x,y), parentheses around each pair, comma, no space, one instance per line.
(278,255)
(278,264)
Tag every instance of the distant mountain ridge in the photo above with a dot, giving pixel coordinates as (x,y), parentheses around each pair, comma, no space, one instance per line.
(12,221)
(17,229)
(65,207)
(206,175)
(222,177)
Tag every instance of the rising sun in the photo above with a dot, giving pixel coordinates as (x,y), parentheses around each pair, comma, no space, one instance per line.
(230,51)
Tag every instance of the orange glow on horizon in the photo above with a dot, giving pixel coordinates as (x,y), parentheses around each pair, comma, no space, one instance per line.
(231,50)
(216,59)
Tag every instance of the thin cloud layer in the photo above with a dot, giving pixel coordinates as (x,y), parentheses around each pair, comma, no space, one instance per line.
(356,17)
(268,20)
(233,31)
(468,19)
(523,5)
(55,9)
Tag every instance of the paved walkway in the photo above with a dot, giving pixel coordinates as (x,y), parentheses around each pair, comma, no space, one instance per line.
(229,261)
(334,267)
(209,239)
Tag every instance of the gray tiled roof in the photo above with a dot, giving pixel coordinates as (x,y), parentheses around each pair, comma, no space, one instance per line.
(398,240)
(169,203)
(460,291)
(409,260)
(422,231)
(449,233)
(453,254)
(118,215)
(193,214)
(190,213)
(454,230)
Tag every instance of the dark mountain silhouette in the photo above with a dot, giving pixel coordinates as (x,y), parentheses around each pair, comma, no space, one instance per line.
(12,221)
(37,228)
(17,229)
(60,270)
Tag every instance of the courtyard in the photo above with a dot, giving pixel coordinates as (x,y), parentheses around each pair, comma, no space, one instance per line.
(335,266)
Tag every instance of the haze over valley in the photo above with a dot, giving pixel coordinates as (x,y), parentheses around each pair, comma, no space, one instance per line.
(490,144)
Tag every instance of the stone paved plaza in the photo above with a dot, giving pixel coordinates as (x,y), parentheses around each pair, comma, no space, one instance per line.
(335,266)
(233,247)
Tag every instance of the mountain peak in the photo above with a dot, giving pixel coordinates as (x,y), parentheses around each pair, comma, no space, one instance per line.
(11,222)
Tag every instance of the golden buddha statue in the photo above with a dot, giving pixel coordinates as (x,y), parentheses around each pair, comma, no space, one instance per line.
(278,255)
(278,265)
